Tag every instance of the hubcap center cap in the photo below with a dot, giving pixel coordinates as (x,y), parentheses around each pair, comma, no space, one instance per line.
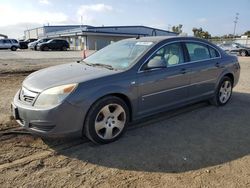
(110,121)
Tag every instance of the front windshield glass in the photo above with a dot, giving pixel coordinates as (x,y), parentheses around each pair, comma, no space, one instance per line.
(240,45)
(119,55)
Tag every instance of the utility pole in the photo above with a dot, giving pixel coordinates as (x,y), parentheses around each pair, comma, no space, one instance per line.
(235,22)
(81,22)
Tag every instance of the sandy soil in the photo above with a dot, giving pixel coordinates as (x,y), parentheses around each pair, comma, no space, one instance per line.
(196,146)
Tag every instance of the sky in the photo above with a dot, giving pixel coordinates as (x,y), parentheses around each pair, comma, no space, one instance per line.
(215,16)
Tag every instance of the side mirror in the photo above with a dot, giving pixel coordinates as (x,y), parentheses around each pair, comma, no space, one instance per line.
(235,46)
(156,63)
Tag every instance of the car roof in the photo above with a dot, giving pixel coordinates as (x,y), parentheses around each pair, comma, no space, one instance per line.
(157,39)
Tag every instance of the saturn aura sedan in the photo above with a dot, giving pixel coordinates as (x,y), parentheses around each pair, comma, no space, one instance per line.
(125,81)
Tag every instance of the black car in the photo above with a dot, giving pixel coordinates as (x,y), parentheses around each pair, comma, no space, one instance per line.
(24,44)
(53,44)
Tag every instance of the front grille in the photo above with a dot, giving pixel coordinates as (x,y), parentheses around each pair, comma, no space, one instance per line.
(27,96)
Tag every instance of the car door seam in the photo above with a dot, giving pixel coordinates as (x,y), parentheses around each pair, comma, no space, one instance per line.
(163,91)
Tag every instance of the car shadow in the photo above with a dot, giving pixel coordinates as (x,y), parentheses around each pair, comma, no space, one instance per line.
(198,138)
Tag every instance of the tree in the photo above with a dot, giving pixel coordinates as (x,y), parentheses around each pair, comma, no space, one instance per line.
(247,33)
(198,32)
(177,29)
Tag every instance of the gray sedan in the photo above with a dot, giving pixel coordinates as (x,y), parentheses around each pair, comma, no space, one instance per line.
(236,48)
(125,81)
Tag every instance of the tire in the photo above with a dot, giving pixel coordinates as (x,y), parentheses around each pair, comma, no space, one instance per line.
(64,48)
(13,48)
(45,48)
(106,120)
(243,53)
(223,92)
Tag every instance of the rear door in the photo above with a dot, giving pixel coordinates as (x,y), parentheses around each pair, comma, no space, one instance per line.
(163,87)
(205,68)
(53,44)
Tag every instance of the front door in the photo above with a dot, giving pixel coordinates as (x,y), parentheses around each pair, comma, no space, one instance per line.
(160,88)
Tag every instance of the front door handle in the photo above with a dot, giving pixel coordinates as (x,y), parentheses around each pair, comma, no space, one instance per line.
(183,71)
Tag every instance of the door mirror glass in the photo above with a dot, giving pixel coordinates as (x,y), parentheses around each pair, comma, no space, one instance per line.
(156,63)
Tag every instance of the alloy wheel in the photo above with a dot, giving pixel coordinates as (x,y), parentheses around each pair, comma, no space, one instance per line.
(225,91)
(110,121)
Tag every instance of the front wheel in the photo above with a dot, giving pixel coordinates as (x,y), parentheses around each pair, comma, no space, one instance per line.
(106,120)
(13,48)
(223,93)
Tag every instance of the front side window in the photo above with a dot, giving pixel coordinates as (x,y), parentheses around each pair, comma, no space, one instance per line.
(171,54)
(197,52)
(14,41)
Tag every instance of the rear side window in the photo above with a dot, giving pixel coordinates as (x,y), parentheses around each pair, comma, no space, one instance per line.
(213,53)
(6,41)
(197,51)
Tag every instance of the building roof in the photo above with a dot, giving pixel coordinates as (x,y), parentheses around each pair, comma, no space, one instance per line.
(111,30)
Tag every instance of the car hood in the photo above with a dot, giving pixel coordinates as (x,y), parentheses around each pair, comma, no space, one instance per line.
(64,74)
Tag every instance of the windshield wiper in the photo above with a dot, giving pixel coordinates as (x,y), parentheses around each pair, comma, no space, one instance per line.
(103,65)
(99,64)
(89,64)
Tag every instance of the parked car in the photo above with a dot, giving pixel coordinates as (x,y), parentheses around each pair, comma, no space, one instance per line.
(53,44)
(33,45)
(125,81)
(24,44)
(236,48)
(9,44)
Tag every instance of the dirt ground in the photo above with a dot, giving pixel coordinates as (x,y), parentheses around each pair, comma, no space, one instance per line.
(195,146)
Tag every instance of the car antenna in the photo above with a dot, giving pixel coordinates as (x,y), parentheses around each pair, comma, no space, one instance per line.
(138,37)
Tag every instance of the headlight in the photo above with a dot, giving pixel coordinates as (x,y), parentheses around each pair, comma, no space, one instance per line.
(53,96)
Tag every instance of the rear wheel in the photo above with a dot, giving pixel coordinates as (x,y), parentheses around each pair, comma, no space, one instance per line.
(13,48)
(64,48)
(223,92)
(106,120)
(243,53)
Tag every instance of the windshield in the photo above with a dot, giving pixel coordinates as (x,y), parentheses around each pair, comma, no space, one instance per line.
(240,45)
(119,55)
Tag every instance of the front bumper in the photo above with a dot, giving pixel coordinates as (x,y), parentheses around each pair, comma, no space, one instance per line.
(64,119)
